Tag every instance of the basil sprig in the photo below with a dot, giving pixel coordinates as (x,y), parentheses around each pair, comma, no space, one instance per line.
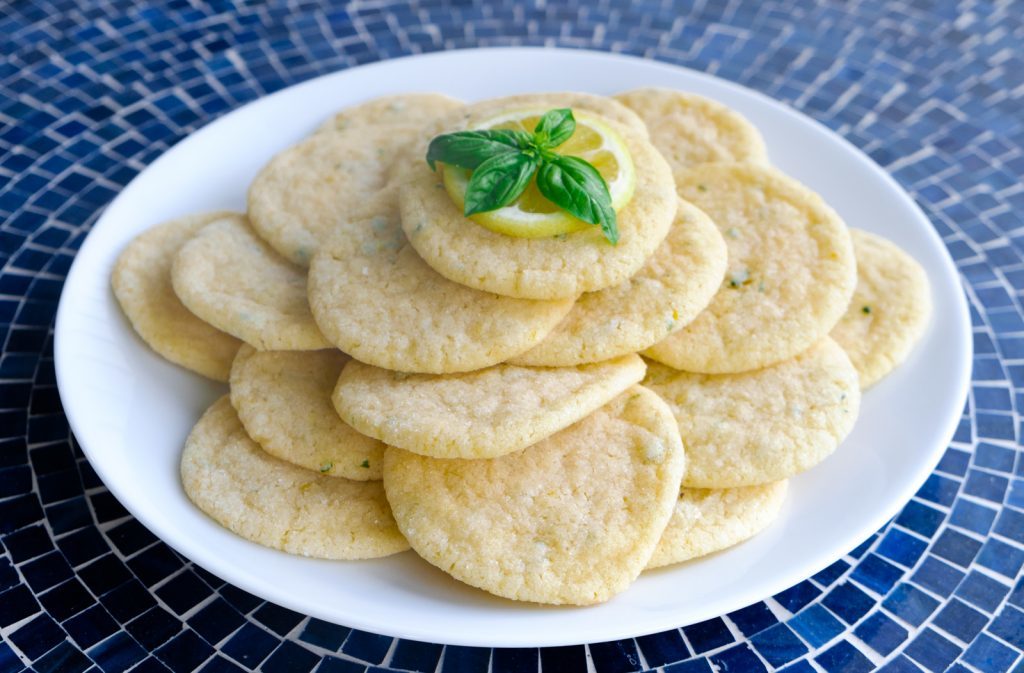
(504,161)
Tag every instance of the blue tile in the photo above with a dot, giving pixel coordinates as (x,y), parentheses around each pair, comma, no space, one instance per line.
(276,618)
(331,636)
(663,648)
(411,654)
(960,620)
(569,658)
(185,652)
(985,485)
(921,518)
(457,659)
(816,625)
(848,602)
(932,651)
(154,627)
(778,645)
(937,576)
(989,655)
(1010,524)
(250,645)
(618,656)
(843,657)
(37,636)
(901,547)
(877,574)
(982,591)
(290,658)
(117,653)
(738,658)
(972,516)
(368,647)
(910,604)
(692,666)
(1001,557)
(900,664)
(1009,626)
(215,621)
(515,660)
(753,618)
(956,547)
(338,665)
(796,597)
(881,633)
(708,635)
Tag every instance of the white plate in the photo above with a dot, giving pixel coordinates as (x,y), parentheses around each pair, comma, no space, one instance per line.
(131,411)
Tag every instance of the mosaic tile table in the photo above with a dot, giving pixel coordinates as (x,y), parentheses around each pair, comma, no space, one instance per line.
(90,93)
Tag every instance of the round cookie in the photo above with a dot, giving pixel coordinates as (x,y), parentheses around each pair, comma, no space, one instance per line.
(483,414)
(401,109)
(761,426)
(283,399)
(472,115)
(279,505)
(570,520)
(379,302)
(889,310)
(709,520)
(790,276)
(295,202)
(538,268)
(231,279)
(690,130)
(669,290)
(142,285)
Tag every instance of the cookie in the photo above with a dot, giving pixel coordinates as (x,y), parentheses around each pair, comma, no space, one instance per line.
(761,426)
(790,276)
(669,290)
(690,130)
(559,267)
(296,201)
(142,285)
(231,279)
(889,310)
(483,414)
(279,505)
(571,520)
(472,115)
(375,299)
(283,399)
(710,520)
(398,110)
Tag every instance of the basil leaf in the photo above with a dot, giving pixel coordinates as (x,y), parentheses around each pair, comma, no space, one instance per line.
(499,181)
(554,128)
(574,185)
(468,149)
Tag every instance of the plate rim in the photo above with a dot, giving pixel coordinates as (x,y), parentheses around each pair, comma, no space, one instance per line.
(799,572)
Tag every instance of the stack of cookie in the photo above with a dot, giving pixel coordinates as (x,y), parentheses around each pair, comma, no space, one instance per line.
(401,376)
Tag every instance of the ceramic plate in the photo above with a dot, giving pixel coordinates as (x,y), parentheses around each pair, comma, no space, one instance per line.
(131,411)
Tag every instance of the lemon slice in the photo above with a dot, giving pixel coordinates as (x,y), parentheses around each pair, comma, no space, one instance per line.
(532,215)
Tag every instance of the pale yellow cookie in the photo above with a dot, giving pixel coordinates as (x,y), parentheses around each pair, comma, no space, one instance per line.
(889,310)
(690,130)
(402,109)
(230,278)
(283,399)
(570,520)
(709,520)
(538,268)
(279,505)
(298,198)
(790,276)
(482,414)
(472,115)
(142,285)
(379,302)
(669,290)
(765,425)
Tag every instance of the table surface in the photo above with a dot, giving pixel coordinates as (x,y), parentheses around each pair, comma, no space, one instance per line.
(90,93)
